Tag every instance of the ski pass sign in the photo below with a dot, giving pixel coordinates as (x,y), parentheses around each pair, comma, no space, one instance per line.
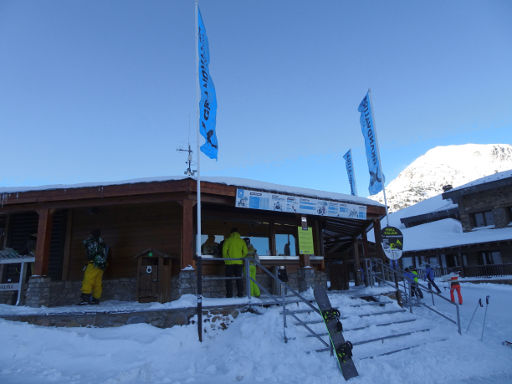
(392,242)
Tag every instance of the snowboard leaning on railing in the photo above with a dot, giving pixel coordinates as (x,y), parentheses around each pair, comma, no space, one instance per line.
(341,348)
(96,251)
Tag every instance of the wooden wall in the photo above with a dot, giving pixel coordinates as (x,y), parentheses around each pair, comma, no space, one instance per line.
(127,230)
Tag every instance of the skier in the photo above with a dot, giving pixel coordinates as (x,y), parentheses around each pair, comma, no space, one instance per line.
(97,253)
(234,248)
(251,252)
(455,286)
(429,277)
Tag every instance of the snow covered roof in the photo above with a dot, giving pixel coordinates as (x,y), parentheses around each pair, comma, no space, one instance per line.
(231,181)
(443,233)
(484,183)
(446,233)
(434,204)
(487,179)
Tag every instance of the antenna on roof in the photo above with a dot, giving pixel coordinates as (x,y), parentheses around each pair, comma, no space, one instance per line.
(188,171)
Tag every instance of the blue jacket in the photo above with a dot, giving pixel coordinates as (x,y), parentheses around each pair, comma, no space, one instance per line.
(409,276)
(429,273)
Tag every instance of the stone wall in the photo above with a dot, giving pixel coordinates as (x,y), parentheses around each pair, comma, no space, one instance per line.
(163,318)
(41,291)
(497,201)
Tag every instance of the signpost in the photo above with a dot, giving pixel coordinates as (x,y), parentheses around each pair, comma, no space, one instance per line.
(392,245)
(392,242)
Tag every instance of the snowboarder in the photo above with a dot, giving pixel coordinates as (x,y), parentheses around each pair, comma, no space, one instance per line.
(251,252)
(97,253)
(429,277)
(234,248)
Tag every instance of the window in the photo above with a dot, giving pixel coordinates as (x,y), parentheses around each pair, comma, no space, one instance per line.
(286,239)
(489,257)
(260,243)
(509,211)
(286,245)
(482,219)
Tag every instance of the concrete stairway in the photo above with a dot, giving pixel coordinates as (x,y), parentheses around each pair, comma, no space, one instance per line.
(375,325)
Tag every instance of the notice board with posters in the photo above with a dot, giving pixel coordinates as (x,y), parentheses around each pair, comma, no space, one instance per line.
(306,246)
(278,202)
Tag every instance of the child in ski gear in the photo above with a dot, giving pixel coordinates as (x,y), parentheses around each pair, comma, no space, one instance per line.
(412,278)
(251,252)
(234,248)
(210,247)
(429,277)
(97,253)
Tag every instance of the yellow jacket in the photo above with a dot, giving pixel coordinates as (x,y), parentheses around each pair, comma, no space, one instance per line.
(234,248)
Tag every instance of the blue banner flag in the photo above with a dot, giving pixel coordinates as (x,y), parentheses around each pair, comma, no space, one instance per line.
(372,149)
(208,103)
(350,172)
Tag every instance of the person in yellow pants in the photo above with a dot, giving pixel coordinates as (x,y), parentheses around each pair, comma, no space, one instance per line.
(251,252)
(97,252)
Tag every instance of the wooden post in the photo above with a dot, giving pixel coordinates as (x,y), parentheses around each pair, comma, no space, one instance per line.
(378,239)
(44,234)
(365,245)
(67,245)
(357,263)
(273,249)
(187,233)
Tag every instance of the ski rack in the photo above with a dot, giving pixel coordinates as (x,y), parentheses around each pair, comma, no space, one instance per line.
(376,271)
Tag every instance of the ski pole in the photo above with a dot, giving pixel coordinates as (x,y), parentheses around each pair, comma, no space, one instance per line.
(473,315)
(485,316)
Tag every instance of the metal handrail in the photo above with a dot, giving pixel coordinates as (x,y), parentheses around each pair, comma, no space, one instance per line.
(399,273)
(282,302)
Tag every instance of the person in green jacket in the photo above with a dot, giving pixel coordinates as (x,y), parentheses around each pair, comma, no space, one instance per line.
(251,252)
(234,248)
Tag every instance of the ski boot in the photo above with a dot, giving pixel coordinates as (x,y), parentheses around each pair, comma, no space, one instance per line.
(85,299)
(95,301)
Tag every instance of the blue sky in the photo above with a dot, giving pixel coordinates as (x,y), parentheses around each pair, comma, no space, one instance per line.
(105,90)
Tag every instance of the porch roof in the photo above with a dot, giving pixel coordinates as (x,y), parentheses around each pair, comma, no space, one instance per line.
(220,186)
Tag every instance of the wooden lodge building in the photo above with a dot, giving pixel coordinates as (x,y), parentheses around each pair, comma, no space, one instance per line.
(157,217)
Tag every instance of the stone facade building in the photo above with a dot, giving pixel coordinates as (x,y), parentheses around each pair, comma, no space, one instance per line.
(482,209)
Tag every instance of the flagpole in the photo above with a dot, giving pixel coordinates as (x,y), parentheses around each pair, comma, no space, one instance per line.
(378,154)
(198,236)
(198,183)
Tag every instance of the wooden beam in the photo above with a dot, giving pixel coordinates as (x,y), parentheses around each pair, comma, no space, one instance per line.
(110,201)
(44,234)
(67,245)
(357,262)
(365,245)
(187,233)
(378,239)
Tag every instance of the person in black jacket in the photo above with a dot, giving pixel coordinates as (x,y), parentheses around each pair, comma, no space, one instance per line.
(97,252)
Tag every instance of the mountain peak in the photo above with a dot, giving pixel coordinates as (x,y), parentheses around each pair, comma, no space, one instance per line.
(444,165)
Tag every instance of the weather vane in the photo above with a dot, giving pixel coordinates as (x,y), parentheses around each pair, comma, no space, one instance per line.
(188,171)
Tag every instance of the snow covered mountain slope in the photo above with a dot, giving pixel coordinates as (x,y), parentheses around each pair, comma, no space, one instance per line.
(454,164)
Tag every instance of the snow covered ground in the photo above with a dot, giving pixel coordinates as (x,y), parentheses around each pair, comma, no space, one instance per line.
(251,349)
